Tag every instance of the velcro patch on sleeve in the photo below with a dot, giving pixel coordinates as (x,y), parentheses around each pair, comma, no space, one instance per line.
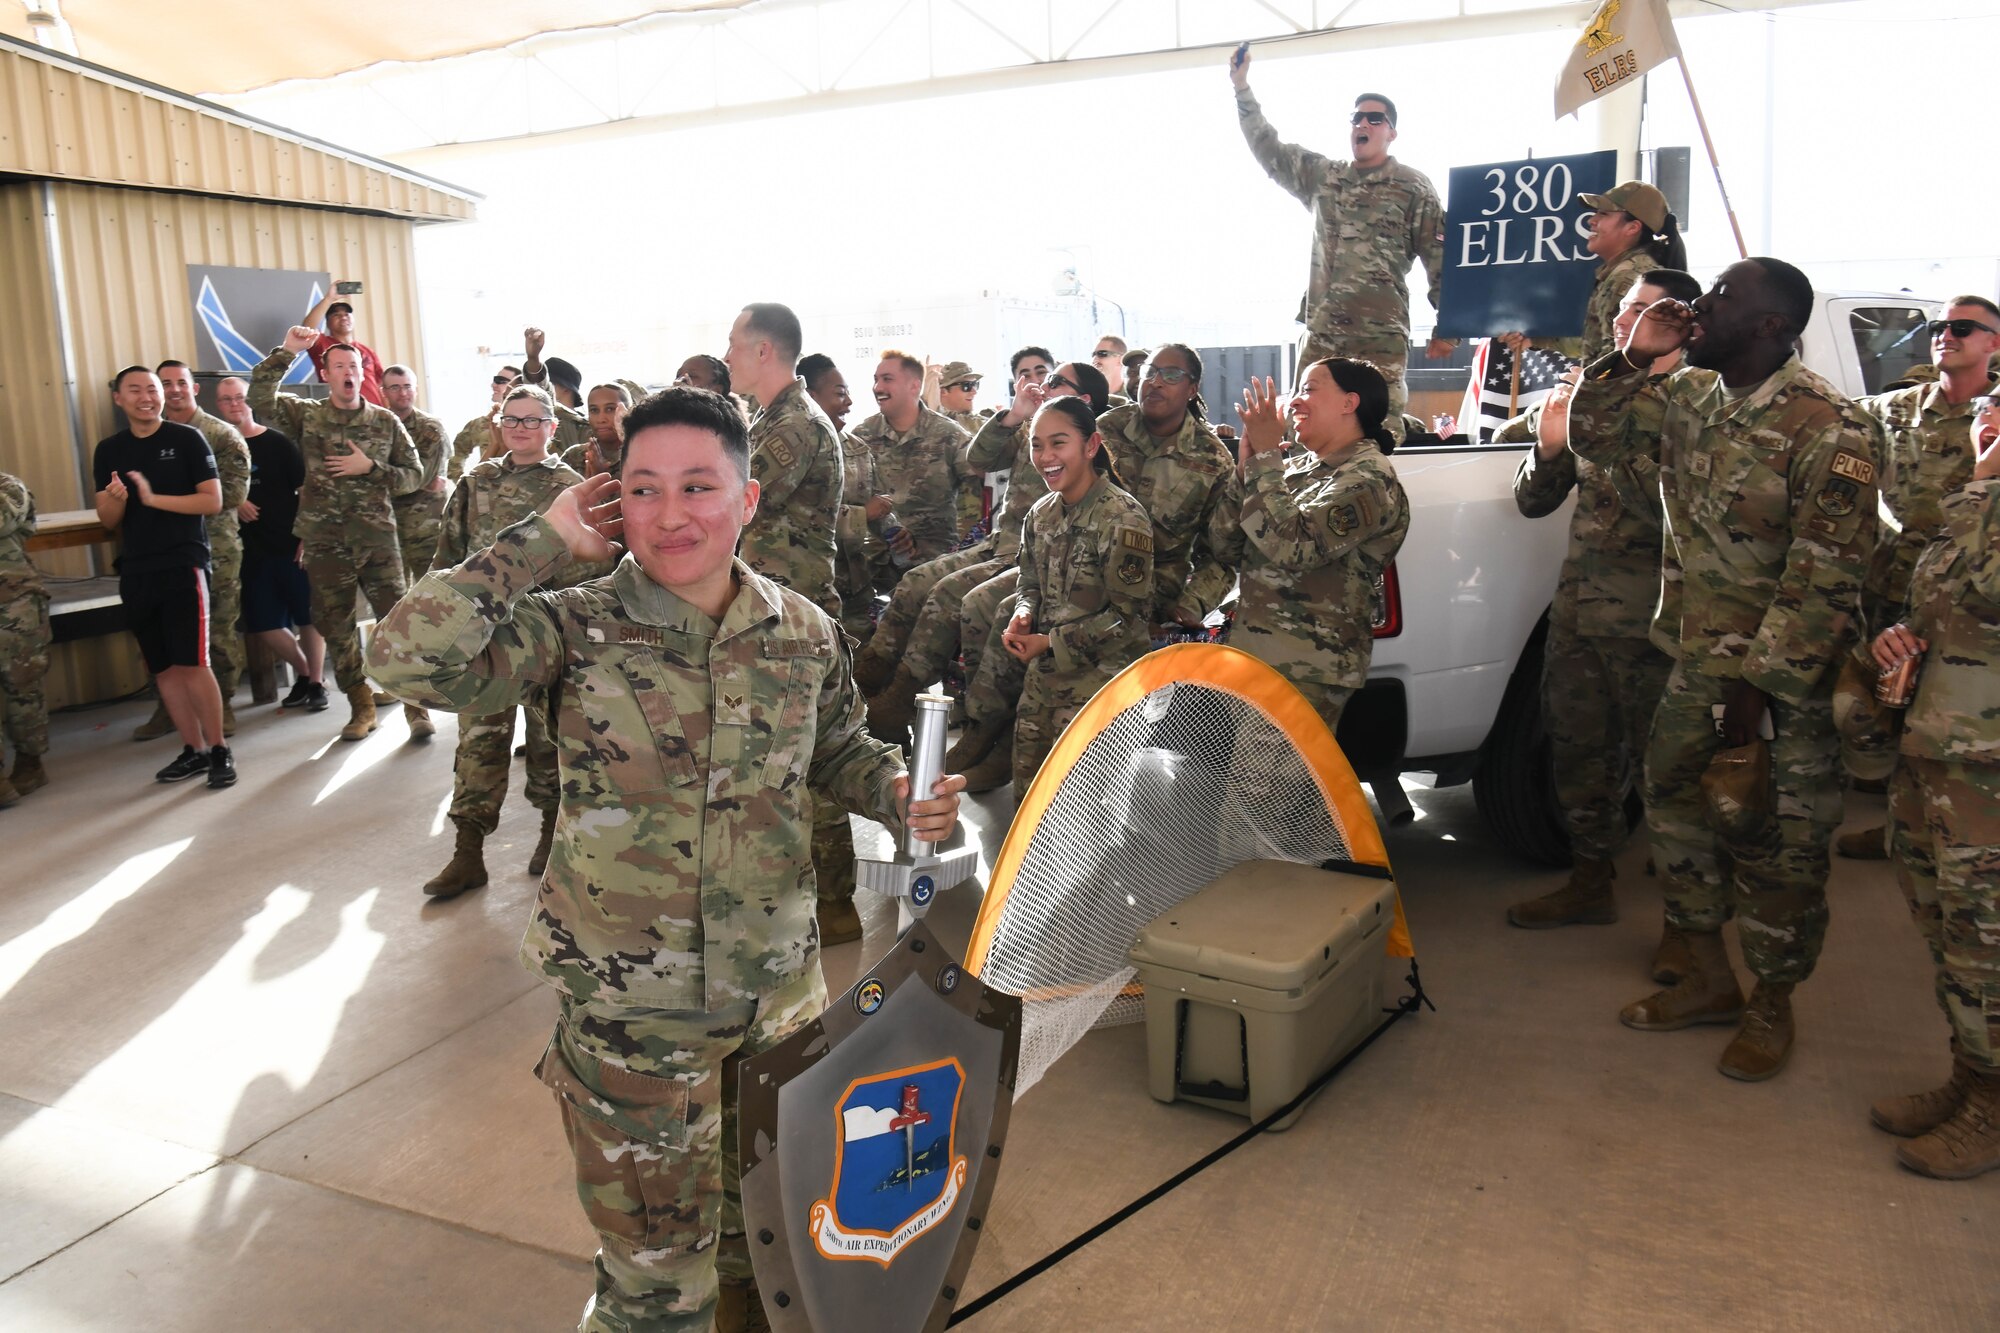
(1135,539)
(1854,467)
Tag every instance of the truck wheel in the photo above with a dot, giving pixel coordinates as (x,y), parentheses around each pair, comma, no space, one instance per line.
(1514,786)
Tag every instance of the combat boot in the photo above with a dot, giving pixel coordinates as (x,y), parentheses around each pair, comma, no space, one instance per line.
(739,1308)
(467,867)
(873,666)
(996,770)
(28,774)
(154,727)
(382,698)
(539,861)
(361,717)
(1966,1145)
(421,726)
(1707,994)
(893,708)
(1919,1113)
(228,719)
(839,920)
(1585,900)
(8,793)
(1764,1041)
(1670,960)
(974,744)
(1868,844)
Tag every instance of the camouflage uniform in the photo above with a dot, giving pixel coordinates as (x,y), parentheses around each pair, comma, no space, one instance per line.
(611,457)
(677,914)
(1086,582)
(1370,225)
(1316,536)
(1187,486)
(1602,677)
(1600,314)
(24,625)
(469,445)
(494,495)
(420,513)
(225,550)
(972,495)
(1944,803)
(348,524)
(1770,521)
(857,542)
(921,471)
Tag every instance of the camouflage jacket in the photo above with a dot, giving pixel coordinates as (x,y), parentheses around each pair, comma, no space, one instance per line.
(857,538)
(419,512)
(496,495)
(1188,487)
(1955,605)
(1609,587)
(972,498)
(18,575)
(232,466)
(1316,536)
(350,510)
(1613,281)
(998,448)
(469,445)
(795,460)
(1770,515)
(681,872)
(922,473)
(611,457)
(1927,454)
(1369,226)
(1087,579)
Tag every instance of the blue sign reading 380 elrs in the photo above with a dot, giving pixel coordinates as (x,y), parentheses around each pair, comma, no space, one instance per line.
(1514,256)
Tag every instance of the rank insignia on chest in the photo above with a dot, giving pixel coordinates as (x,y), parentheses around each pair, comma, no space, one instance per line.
(1854,468)
(1700,464)
(1836,498)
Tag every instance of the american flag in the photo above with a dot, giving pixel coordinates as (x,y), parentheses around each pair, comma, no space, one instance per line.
(1488,391)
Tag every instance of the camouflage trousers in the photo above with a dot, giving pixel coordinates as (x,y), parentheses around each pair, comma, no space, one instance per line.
(1944,836)
(485,756)
(1327,701)
(1390,355)
(1875,762)
(923,611)
(648,1102)
(226,654)
(24,659)
(935,639)
(993,679)
(1050,701)
(1598,697)
(339,569)
(1777,886)
(832,852)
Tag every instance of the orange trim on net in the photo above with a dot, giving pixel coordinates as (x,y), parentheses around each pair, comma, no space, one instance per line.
(1218,666)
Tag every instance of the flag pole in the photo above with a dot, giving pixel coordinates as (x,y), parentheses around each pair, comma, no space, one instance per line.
(1708,142)
(1514,388)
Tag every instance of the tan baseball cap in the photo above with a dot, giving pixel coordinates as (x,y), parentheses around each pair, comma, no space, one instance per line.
(1639,199)
(955,372)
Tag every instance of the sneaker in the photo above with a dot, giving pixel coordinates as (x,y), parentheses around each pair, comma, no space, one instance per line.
(192,764)
(300,696)
(316,700)
(221,767)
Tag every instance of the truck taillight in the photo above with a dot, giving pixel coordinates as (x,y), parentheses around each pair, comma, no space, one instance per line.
(1388,621)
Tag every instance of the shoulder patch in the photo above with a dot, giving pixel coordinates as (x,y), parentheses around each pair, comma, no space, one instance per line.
(780,449)
(1837,498)
(1854,467)
(1134,539)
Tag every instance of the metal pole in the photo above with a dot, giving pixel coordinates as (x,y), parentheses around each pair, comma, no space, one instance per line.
(926,757)
(1708,142)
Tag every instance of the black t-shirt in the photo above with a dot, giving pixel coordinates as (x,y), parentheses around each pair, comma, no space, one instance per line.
(176,461)
(277,470)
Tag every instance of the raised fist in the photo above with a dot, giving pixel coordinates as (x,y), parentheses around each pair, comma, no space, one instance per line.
(299,337)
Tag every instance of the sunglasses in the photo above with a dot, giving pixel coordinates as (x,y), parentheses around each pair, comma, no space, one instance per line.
(1101,353)
(1369,118)
(1063,382)
(524,423)
(1960,328)
(503,379)
(970,386)
(1171,374)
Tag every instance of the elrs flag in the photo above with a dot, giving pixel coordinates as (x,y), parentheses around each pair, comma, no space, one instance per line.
(1623,40)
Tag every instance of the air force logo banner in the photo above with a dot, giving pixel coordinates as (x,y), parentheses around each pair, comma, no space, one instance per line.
(870,1143)
(240,314)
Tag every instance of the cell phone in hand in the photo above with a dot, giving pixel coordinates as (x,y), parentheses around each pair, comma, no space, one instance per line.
(1242,54)
(347,289)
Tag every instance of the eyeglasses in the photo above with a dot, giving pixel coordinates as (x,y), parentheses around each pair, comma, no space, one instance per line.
(1063,382)
(503,379)
(1369,118)
(524,423)
(1960,328)
(970,386)
(1171,374)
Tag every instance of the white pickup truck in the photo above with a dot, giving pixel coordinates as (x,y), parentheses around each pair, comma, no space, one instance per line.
(1455,686)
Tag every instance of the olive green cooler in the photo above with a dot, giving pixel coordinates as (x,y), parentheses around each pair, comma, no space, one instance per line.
(1260,982)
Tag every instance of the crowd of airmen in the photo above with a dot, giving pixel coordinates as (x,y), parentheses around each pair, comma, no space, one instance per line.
(704,599)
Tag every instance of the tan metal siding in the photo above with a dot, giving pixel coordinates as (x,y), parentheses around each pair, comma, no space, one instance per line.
(34,416)
(71,124)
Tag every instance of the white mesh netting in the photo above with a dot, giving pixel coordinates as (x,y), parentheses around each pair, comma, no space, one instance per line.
(1177,788)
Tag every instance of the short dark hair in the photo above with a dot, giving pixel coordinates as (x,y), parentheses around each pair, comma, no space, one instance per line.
(1387,105)
(1968,298)
(1197,404)
(685,405)
(718,370)
(173,365)
(1789,291)
(398,369)
(1365,380)
(1014,361)
(780,325)
(119,378)
(1684,287)
(624,394)
(340,347)
(810,368)
(1096,388)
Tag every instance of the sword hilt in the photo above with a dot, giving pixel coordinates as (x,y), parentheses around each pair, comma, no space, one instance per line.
(918,871)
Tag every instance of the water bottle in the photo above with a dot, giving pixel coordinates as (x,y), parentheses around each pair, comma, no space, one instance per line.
(892,527)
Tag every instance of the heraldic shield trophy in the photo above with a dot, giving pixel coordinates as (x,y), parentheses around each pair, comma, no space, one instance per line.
(870,1139)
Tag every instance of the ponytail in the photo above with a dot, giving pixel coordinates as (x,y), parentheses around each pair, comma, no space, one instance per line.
(1667,247)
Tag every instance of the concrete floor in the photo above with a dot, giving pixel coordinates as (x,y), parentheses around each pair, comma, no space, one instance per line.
(250,1079)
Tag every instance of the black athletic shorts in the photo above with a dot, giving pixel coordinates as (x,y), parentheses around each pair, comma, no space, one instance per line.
(167,612)
(276,593)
